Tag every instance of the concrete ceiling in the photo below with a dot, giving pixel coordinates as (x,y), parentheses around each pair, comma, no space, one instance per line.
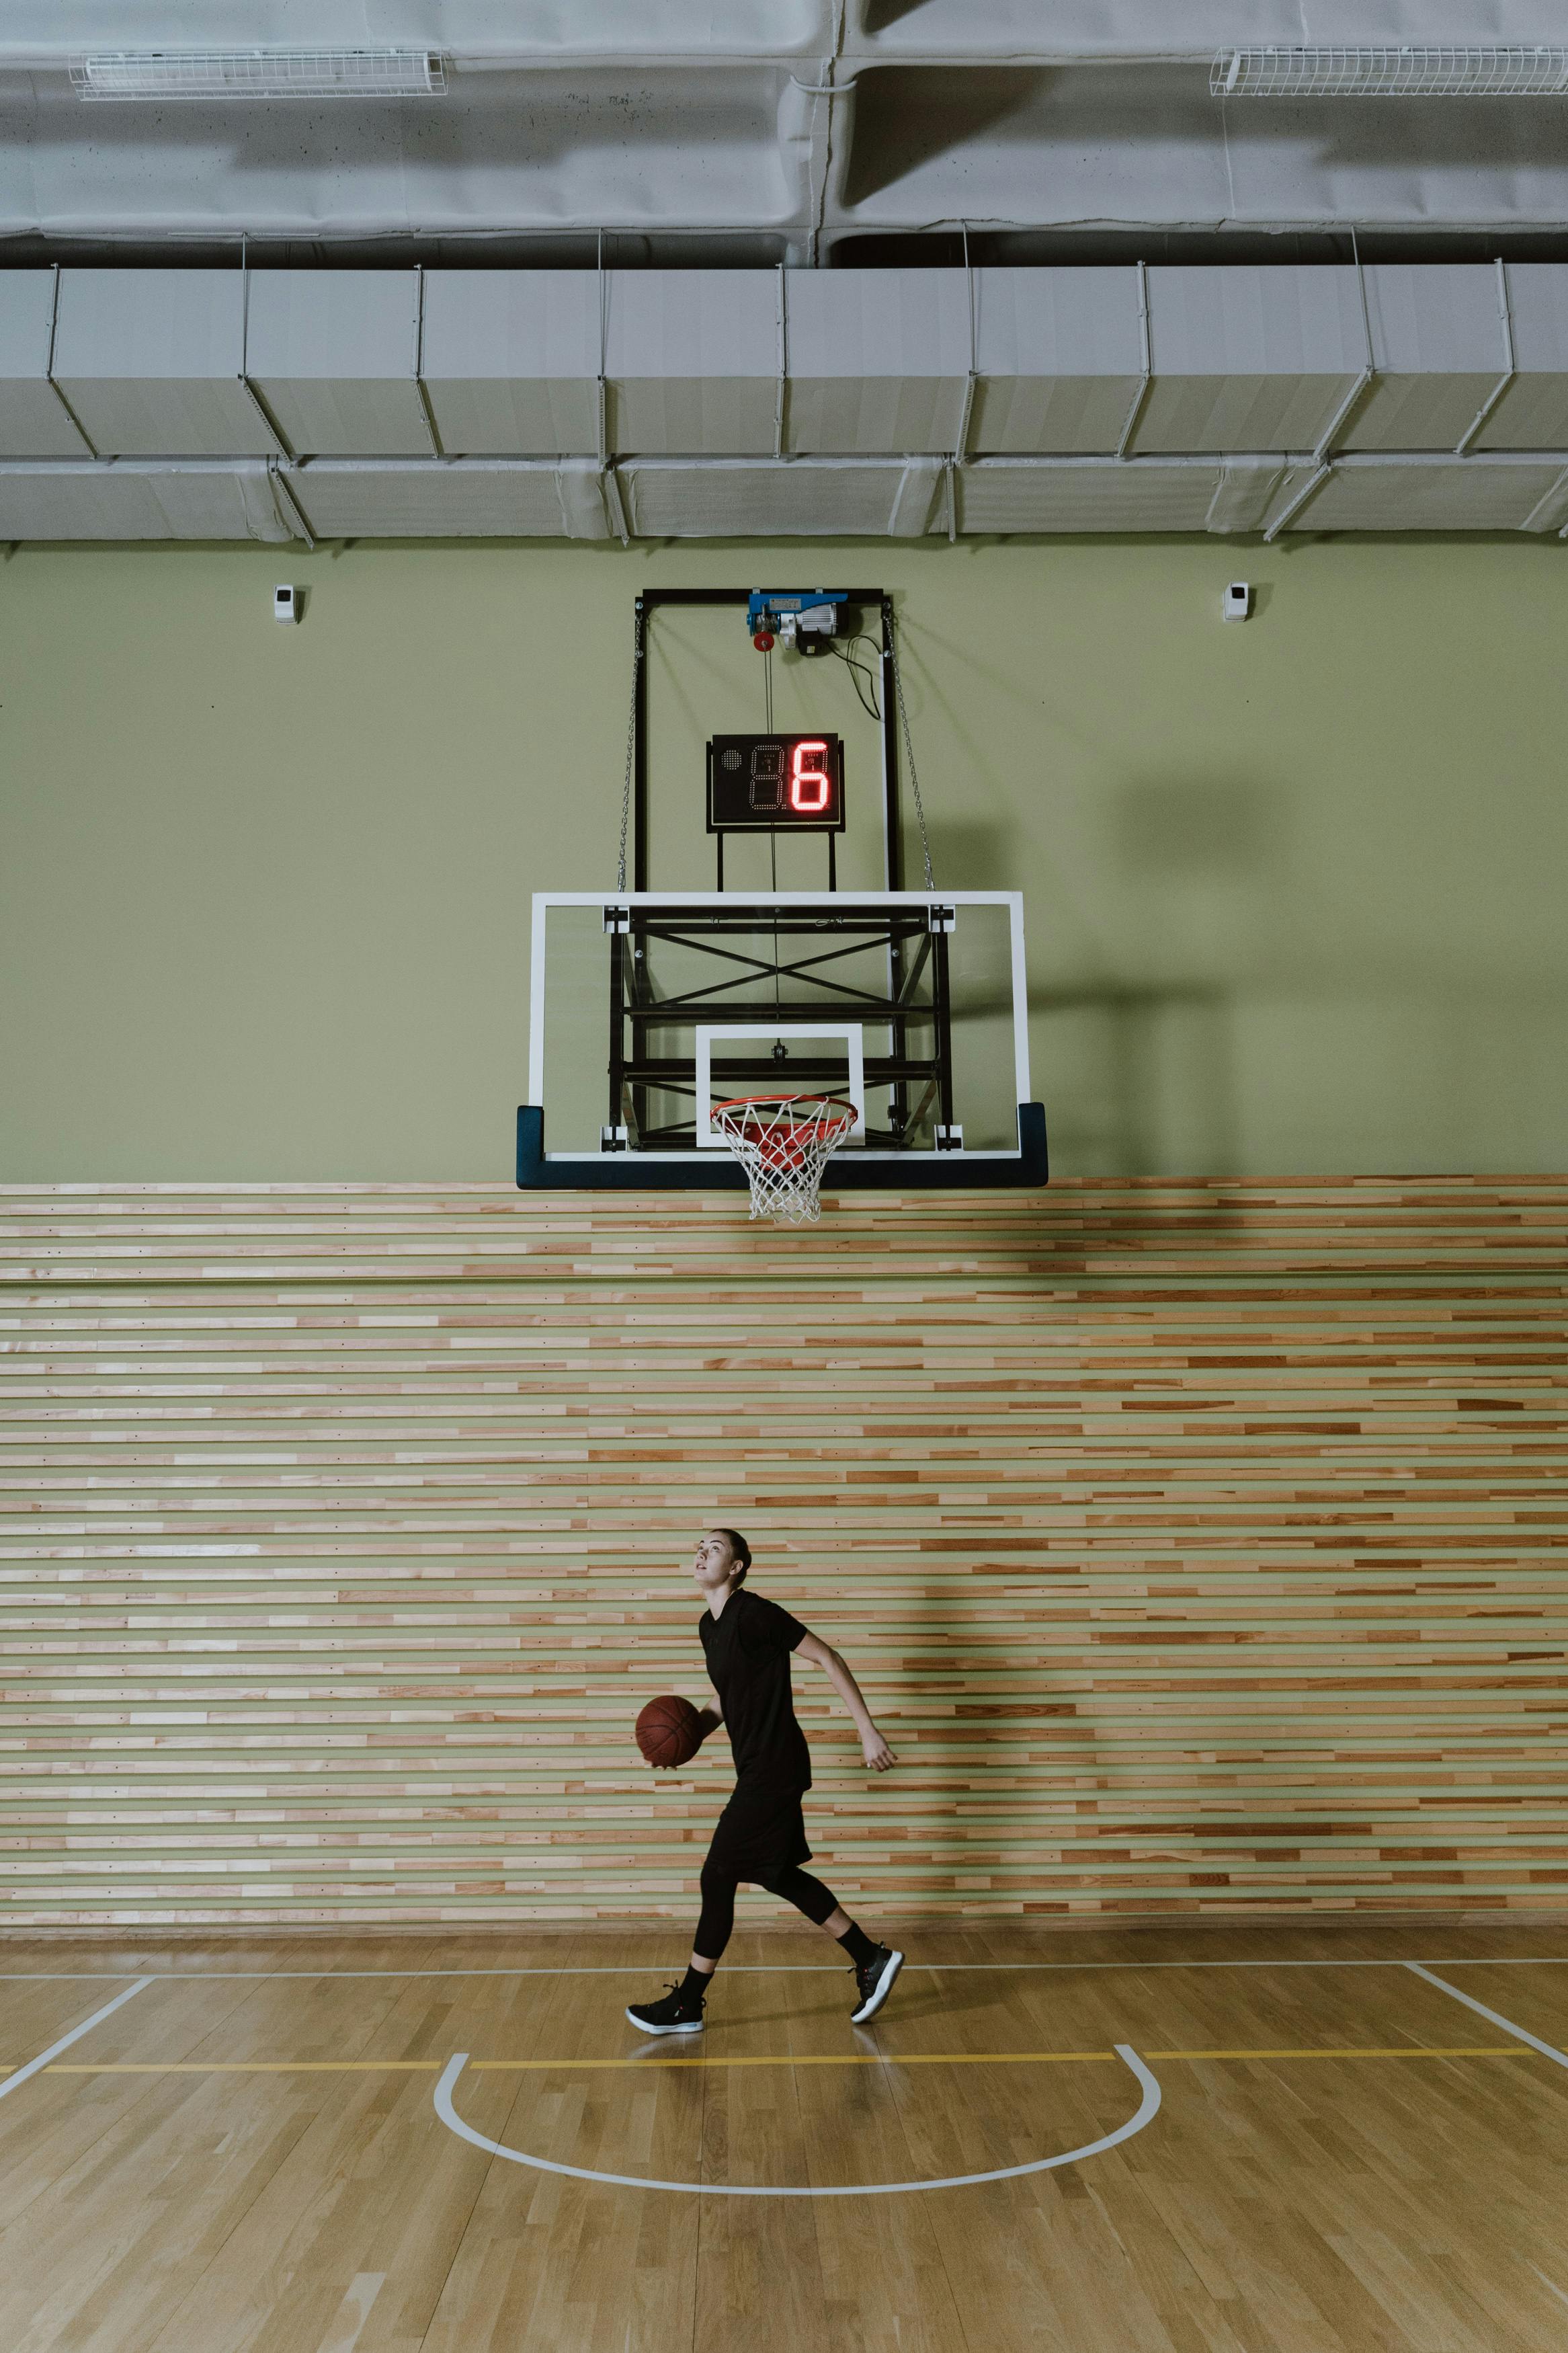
(768,129)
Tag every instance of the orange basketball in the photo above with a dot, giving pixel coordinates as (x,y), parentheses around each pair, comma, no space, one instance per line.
(669,1732)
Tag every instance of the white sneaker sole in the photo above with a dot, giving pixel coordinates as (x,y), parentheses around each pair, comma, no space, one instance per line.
(879,1991)
(692,2025)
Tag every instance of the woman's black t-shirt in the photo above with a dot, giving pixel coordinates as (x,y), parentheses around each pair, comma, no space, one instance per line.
(748,1650)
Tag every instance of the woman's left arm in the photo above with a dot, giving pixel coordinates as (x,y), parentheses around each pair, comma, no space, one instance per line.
(874,1749)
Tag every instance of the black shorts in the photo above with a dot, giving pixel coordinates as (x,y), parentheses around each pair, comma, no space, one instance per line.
(759,1831)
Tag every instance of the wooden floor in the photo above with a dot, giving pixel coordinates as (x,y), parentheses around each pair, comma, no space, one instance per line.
(246,2151)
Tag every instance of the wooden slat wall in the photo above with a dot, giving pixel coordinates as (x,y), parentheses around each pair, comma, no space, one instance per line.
(1200,1545)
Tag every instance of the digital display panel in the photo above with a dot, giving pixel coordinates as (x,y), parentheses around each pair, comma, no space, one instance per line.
(793,781)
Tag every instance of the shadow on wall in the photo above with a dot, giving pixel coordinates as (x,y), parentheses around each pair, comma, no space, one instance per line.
(1137,1080)
(966,854)
(1227,828)
(1138,1075)
(1143,1067)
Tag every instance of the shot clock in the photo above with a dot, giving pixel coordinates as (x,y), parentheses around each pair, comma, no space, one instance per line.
(790,783)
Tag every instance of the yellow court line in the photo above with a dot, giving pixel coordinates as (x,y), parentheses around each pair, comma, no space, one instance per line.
(1016,2058)
(1392,2050)
(813,2059)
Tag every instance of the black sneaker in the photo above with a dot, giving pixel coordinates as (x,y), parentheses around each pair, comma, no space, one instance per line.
(874,1980)
(677,2013)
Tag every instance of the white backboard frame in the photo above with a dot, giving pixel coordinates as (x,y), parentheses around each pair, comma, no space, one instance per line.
(829,901)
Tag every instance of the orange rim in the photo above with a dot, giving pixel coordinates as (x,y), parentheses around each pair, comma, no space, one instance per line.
(780,1146)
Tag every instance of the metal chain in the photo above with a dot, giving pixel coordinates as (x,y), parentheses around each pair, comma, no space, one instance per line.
(910,754)
(631,745)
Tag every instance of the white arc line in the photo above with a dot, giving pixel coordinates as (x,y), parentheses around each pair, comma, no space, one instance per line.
(1519,2033)
(1148,2108)
(44,2057)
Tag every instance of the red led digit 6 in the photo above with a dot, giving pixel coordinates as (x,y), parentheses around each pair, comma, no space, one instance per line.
(808,784)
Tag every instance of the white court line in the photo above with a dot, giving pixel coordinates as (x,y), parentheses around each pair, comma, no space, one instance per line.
(762,1970)
(1556,2291)
(1148,2108)
(1519,2033)
(44,2057)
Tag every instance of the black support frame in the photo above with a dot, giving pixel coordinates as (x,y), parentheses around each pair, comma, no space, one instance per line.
(648,603)
(914,940)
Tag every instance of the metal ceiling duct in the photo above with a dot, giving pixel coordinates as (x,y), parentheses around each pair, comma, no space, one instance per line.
(35,420)
(1408,492)
(879,360)
(335,355)
(676,498)
(693,361)
(736,404)
(1061,360)
(468,497)
(1439,348)
(1531,412)
(511,359)
(1106,494)
(152,362)
(1248,359)
(132,499)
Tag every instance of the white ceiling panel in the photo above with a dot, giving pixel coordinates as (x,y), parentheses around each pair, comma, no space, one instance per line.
(125,497)
(1053,139)
(34,419)
(692,359)
(682,499)
(332,354)
(879,360)
(1060,359)
(482,32)
(151,361)
(1440,349)
(508,149)
(1533,411)
(512,360)
(1150,28)
(1392,493)
(468,497)
(1248,358)
(805,122)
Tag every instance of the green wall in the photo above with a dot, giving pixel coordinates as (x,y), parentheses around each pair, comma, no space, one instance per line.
(1294,890)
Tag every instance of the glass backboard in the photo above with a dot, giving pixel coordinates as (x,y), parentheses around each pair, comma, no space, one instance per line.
(649,1008)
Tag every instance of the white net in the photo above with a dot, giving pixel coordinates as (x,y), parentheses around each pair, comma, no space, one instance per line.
(783,1142)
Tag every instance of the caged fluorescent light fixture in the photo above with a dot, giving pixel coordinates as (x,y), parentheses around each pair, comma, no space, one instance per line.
(261,73)
(1390,73)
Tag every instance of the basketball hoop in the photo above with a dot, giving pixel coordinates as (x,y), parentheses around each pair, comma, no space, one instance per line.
(783,1142)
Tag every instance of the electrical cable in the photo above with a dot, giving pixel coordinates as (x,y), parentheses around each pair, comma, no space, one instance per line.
(858,671)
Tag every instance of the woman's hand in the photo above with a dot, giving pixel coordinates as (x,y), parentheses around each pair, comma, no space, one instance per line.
(876,1751)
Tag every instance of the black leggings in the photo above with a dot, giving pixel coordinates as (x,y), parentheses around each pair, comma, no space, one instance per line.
(719,1885)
